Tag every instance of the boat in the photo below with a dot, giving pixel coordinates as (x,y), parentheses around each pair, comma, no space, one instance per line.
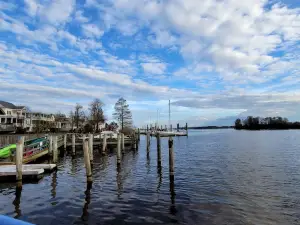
(7,151)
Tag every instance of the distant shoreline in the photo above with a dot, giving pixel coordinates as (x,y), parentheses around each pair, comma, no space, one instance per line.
(211,127)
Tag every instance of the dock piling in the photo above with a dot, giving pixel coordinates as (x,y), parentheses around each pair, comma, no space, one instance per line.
(19,159)
(50,145)
(91,147)
(148,142)
(118,150)
(158,149)
(55,149)
(123,143)
(65,142)
(104,145)
(87,161)
(171,157)
(73,144)
(139,134)
(186,128)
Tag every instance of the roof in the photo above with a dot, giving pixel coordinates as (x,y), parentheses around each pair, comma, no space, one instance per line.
(9,105)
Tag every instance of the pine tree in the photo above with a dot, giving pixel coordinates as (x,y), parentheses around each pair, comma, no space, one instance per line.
(122,113)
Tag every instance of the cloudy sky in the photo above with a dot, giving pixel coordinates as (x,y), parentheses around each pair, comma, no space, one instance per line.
(214,59)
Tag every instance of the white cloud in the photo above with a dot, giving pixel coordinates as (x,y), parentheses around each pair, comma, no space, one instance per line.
(154,68)
(31,6)
(59,11)
(91,30)
(80,17)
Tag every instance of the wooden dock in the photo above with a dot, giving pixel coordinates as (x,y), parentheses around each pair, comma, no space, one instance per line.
(29,171)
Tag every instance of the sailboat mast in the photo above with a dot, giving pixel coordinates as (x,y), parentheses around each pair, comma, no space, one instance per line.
(169,114)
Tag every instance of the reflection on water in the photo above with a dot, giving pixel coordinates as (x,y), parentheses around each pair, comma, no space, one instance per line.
(221,177)
(85,213)
(17,201)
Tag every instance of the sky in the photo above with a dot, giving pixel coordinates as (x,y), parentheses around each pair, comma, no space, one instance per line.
(216,60)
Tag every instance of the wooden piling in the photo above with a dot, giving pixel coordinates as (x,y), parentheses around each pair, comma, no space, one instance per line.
(186,128)
(171,157)
(19,160)
(87,161)
(55,153)
(158,149)
(65,141)
(134,142)
(91,147)
(104,145)
(123,143)
(118,149)
(50,152)
(73,144)
(148,142)
(139,134)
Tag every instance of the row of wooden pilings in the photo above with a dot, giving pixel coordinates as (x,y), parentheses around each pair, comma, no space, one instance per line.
(88,152)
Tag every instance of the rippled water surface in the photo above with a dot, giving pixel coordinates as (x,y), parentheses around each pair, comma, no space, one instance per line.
(221,177)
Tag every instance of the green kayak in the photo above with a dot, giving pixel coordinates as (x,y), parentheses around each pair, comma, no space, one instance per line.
(6,151)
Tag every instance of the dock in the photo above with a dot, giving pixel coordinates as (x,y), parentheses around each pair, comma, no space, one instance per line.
(29,171)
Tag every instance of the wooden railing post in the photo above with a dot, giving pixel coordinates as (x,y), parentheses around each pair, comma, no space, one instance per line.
(73,144)
(65,141)
(118,149)
(55,154)
(50,145)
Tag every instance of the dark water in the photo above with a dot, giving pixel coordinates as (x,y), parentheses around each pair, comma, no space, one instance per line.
(221,177)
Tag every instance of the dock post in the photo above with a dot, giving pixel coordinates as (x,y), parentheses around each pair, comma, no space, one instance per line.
(148,142)
(65,142)
(134,142)
(118,150)
(91,147)
(139,134)
(50,145)
(171,157)
(87,160)
(104,144)
(158,149)
(171,127)
(19,160)
(73,144)
(186,128)
(123,143)
(147,128)
(55,149)
(177,127)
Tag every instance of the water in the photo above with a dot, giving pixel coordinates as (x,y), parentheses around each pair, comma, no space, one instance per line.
(221,177)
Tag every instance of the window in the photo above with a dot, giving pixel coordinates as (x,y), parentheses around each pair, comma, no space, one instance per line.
(8,120)
(8,112)
(14,120)
(2,120)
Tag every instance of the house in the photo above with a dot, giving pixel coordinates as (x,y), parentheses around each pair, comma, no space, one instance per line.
(11,117)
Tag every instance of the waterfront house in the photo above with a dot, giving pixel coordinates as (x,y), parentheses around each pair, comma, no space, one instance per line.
(12,117)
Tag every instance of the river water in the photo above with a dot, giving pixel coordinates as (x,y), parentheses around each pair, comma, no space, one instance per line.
(221,177)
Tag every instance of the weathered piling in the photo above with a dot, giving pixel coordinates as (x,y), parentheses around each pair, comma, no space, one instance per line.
(65,141)
(19,160)
(186,128)
(123,143)
(91,147)
(73,144)
(148,142)
(55,153)
(104,145)
(158,149)
(87,161)
(177,127)
(50,152)
(139,134)
(134,142)
(118,150)
(171,157)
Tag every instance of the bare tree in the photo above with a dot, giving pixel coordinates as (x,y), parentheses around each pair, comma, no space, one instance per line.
(78,115)
(122,113)
(96,113)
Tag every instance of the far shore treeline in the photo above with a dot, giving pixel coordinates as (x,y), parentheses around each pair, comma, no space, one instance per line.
(259,123)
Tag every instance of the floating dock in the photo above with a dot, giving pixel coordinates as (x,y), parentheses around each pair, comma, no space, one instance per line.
(29,171)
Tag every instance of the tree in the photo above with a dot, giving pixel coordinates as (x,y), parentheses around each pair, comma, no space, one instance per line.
(238,124)
(78,115)
(96,114)
(122,113)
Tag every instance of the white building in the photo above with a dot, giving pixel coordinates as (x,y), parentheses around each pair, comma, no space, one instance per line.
(11,116)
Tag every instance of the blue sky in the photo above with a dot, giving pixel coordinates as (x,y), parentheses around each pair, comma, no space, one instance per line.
(216,60)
